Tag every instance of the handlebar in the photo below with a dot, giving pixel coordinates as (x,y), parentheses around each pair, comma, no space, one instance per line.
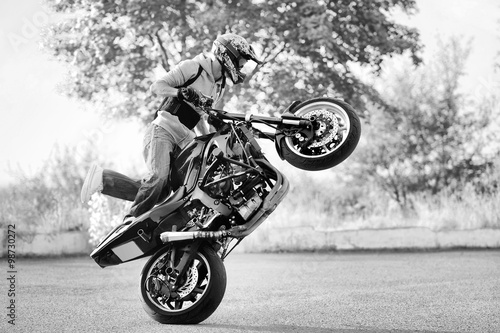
(288,120)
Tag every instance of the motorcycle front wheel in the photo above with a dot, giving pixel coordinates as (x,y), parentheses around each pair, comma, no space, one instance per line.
(337,130)
(198,295)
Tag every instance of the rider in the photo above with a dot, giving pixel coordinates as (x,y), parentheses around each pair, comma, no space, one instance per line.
(186,82)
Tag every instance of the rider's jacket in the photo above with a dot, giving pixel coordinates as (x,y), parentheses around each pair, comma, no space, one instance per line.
(173,118)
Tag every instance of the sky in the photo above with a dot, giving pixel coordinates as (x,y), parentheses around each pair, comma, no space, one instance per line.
(34,115)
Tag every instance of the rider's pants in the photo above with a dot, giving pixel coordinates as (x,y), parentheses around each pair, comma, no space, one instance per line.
(158,144)
(119,186)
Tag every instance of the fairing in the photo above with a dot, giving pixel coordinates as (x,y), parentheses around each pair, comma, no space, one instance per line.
(140,238)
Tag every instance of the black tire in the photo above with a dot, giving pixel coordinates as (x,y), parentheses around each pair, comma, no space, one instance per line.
(206,302)
(336,141)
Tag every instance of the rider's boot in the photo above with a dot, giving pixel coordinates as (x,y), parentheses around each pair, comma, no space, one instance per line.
(110,183)
(93,183)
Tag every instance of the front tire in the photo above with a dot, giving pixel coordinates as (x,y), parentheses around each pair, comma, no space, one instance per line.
(195,300)
(337,130)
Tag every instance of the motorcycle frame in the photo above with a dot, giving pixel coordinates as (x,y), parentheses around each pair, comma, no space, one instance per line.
(130,240)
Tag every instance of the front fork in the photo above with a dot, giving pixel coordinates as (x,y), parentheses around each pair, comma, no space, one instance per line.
(303,129)
(187,253)
(174,273)
(304,134)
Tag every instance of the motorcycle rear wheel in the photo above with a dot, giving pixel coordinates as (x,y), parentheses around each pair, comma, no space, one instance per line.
(337,130)
(198,296)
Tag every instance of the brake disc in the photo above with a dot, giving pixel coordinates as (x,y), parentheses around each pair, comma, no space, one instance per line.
(327,126)
(190,284)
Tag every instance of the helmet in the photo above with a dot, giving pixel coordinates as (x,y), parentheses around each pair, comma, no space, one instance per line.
(229,49)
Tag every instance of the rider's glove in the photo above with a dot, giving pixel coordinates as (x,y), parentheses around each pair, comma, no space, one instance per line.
(189,94)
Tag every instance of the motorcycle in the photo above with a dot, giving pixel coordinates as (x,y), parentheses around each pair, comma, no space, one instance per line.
(223,189)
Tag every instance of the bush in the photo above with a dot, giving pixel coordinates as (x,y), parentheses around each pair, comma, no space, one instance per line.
(49,200)
(337,201)
(105,214)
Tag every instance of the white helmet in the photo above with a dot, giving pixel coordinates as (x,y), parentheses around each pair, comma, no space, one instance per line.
(229,49)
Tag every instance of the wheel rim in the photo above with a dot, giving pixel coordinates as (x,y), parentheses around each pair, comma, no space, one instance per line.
(331,128)
(193,287)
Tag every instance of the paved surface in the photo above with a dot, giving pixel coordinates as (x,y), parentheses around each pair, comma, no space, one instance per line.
(316,293)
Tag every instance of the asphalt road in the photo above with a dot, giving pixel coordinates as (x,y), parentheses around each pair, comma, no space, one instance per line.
(314,292)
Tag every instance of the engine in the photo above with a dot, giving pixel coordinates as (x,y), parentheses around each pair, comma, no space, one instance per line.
(239,189)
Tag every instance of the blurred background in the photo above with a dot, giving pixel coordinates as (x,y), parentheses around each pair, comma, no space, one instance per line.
(423,75)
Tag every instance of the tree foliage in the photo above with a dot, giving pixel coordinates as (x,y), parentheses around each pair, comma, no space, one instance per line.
(433,138)
(118,46)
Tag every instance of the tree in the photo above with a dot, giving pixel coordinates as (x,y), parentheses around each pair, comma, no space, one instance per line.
(116,47)
(432,138)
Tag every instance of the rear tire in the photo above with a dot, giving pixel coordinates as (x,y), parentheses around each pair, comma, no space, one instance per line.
(337,134)
(203,290)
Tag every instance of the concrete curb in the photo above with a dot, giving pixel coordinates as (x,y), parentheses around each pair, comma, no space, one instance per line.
(57,244)
(309,239)
(293,239)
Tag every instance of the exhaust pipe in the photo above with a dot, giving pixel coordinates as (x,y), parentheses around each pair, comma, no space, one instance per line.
(170,236)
